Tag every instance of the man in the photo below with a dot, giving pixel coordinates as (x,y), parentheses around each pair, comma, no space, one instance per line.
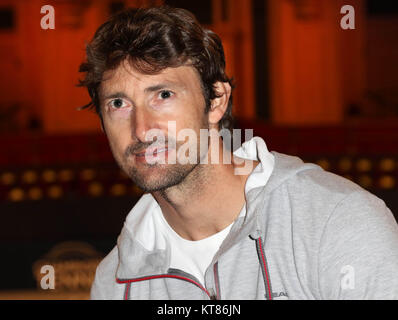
(260,226)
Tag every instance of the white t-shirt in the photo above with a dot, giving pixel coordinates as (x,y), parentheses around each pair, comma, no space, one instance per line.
(194,257)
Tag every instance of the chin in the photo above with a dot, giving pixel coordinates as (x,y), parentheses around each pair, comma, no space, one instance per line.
(150,185)
(159,177)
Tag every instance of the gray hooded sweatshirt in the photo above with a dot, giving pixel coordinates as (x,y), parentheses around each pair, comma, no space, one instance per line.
(306,234)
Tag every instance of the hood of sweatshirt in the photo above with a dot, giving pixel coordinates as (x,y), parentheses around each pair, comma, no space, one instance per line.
(143,250)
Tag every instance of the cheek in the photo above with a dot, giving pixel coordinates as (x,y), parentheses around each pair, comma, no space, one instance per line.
(194,114)
(118,139)
(120,116)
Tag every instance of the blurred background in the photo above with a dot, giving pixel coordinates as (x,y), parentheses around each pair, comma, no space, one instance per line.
(304,84)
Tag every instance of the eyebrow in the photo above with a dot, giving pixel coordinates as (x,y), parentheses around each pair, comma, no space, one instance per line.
(115,95)
(159,87)
(150,89)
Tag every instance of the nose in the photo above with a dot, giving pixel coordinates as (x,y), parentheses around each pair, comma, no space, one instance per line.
(142,123)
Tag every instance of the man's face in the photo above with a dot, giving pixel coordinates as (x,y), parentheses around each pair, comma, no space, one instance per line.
(133,104)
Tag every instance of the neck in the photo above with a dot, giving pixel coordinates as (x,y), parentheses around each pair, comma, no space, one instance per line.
(207,201)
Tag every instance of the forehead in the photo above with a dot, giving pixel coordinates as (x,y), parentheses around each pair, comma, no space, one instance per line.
(127,78)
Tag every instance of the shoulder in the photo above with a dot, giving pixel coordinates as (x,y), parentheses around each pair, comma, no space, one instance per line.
(105,276)
(307,184)
(319,198)
(338,194)
(360,235)
(361,213)
(109,263)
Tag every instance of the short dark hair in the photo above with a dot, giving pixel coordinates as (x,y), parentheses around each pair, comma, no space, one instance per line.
(153,39)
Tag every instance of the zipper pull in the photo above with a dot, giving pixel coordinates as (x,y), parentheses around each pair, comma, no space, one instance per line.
(213,295)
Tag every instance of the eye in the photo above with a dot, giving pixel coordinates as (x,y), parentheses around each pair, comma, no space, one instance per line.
(117,103)
(165,94)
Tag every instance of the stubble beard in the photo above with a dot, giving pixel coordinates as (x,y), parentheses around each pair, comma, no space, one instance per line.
(169,176)
(160,177)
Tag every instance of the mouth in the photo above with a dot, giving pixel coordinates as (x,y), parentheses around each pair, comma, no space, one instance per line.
(150,151)
(151,154)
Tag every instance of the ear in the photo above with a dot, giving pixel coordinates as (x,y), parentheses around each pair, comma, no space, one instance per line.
(219,104)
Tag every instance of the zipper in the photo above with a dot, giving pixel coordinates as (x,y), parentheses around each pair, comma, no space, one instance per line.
(264,268)
(216,281)
(127,291)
